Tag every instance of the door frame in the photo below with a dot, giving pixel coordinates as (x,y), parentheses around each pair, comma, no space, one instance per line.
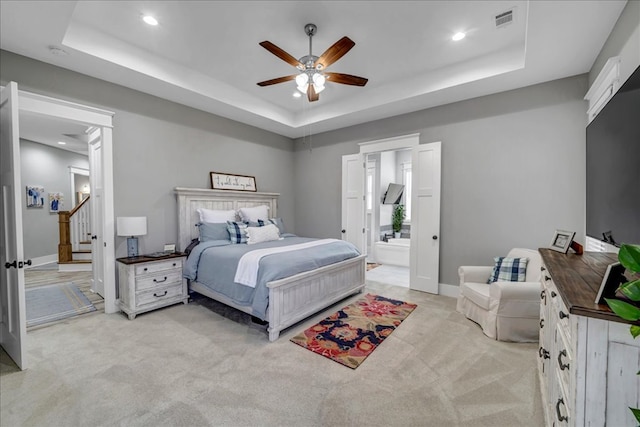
(402,142)
(102,120)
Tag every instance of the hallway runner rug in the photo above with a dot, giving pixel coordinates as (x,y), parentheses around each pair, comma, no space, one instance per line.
(50,303)
(350,335)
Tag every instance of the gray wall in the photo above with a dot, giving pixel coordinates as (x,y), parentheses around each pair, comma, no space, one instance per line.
(48,167)
(513,170)
(158,145)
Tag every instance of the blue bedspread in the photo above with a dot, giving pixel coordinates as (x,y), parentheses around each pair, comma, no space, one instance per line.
(214,265)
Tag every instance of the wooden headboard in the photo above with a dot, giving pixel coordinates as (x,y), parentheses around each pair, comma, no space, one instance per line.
(190,199)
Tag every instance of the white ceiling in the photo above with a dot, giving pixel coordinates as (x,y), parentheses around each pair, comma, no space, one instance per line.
(205,54)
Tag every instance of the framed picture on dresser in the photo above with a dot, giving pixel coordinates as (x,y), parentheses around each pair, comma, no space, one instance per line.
(562,240)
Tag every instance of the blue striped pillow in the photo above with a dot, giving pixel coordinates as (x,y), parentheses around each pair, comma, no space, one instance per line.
(509,270)
(237,231)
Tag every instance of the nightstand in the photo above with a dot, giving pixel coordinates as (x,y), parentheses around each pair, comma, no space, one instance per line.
(147,283)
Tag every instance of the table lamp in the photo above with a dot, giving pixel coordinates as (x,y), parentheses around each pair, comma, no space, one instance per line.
(131,226)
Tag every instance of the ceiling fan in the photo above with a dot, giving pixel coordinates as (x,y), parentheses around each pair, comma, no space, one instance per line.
(312,77)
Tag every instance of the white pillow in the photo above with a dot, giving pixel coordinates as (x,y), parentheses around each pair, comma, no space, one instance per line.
(255,213)
(266,233)
(214,216)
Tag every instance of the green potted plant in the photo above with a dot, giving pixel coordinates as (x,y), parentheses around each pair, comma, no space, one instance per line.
(629,257)
(396,219)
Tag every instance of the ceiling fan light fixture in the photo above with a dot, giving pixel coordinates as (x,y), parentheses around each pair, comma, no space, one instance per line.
(318,82)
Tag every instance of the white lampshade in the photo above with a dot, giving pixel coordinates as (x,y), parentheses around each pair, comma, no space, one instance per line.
(132,225)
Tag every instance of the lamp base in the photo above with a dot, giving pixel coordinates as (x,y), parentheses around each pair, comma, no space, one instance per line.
(132,246)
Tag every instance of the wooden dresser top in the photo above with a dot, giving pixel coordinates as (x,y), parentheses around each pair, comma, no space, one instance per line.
(578,279)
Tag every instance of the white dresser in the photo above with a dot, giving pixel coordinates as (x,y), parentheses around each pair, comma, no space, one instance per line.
(587,358)
(147,283)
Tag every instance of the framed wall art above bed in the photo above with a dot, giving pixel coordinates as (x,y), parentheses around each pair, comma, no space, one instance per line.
(290,299)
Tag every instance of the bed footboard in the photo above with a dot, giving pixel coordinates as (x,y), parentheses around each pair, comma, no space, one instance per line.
(297,297)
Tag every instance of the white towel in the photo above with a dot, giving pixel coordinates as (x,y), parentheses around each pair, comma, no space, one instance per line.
(247,272)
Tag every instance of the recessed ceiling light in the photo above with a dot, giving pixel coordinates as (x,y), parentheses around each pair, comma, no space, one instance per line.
(150,20)
(62,143)
(458,36)
(297,94)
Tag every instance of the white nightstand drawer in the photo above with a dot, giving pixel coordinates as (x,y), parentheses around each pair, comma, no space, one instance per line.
(155,267)
(158,280)
(156,295)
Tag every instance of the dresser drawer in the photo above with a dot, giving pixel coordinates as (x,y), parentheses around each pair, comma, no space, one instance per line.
(158,295)
(156,267)
(161,279)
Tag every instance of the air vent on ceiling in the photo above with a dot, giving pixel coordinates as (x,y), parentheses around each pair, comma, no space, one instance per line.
(504,18)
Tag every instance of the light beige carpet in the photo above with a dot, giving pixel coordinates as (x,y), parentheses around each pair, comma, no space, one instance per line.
(203,364)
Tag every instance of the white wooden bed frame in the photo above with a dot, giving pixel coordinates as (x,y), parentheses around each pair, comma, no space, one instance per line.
(291,299)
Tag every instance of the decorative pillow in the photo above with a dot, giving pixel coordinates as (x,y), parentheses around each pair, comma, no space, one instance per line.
(237,231)
(213,231)
(255,213)
(509,270)
(215,216)
(276,221)
(265,233)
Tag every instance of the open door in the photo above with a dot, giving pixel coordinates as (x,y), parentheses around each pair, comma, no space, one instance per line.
(97,207)
(13,322)
(353,220)
(425,217)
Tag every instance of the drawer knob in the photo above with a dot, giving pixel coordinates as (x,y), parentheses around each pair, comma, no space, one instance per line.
(543,296)
(145,269)
(559,415)
(547,278)
(541,323)
(160,281)
(174,264)
(543,269)
(563,315)
(553,294)
(562,365)
(158,296)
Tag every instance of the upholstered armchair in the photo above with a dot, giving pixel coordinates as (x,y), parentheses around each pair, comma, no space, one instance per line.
(505,310)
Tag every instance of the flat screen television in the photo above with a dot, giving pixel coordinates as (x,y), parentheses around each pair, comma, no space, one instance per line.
(613,168)
(393,194)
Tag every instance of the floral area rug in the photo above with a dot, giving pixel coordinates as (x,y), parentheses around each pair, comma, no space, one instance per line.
(350,335)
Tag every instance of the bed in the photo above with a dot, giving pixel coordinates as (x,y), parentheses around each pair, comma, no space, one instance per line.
(290,299)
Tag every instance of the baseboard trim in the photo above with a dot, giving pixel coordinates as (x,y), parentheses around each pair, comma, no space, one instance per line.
(42,260)
(449,290)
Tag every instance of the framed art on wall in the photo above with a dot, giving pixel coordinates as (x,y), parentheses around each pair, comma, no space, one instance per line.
(56,202)
(229,181)
(562,240)
(35,196)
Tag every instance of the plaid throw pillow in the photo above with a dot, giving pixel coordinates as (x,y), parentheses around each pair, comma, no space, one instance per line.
(237,231)
(509,270)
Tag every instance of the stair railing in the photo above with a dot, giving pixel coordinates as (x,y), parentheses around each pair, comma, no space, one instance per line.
(75,228)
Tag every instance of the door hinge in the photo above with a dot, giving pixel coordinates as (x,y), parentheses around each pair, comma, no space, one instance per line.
(363,231)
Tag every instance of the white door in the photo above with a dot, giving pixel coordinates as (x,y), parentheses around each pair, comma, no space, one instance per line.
(13,323)
(425,217)
(353,220)
(96,207)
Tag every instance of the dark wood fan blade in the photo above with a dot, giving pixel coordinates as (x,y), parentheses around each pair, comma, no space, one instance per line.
(311,94)
(281,53)
(278,80)
(335,52)
(346,79)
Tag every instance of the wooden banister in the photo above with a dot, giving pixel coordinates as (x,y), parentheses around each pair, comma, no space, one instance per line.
(79,205)
(65,252)
(65,248)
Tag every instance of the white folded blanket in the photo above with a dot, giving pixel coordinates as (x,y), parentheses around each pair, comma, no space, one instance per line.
(247,272)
